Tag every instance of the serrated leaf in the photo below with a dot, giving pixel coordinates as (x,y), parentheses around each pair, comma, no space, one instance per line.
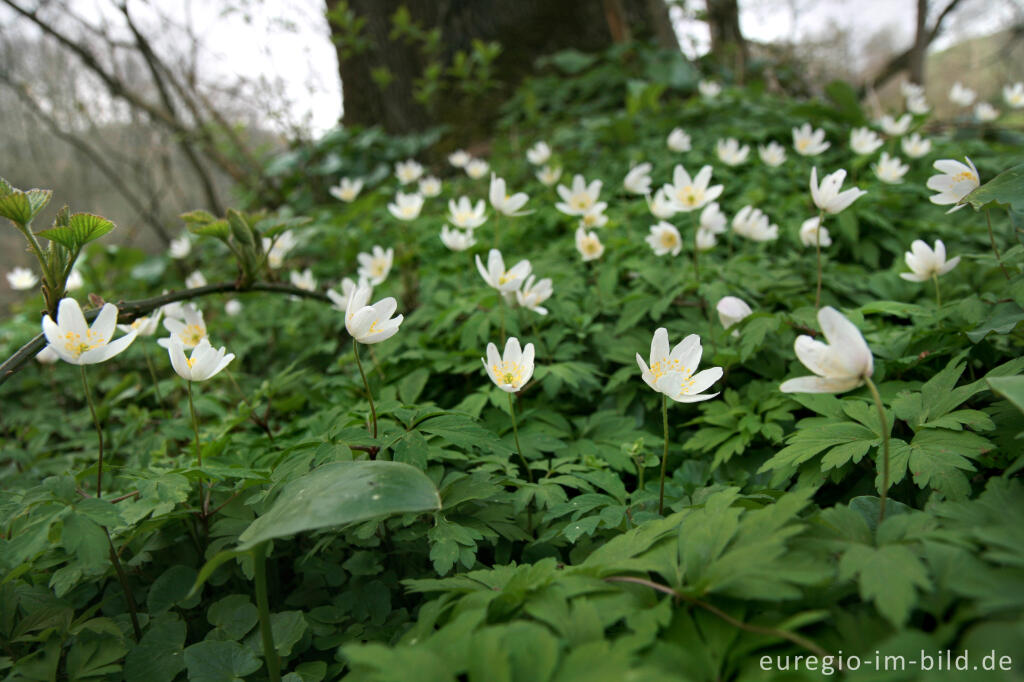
(889,576)
(1005,189)
(21,207)
(218,228)
(342,493)
(159,656)
(220,661)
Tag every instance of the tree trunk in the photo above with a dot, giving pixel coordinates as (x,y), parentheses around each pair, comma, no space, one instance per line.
(917,52)
(525,29)
(728,46)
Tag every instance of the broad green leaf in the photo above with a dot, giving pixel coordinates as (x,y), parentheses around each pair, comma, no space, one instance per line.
(217,228)
(21,207)
(172,588)
(95,655)
(288,628)
(1011,388)
(235,615)
(1005,189)
(342,493)
(159,657)
(890,576)
(213,661)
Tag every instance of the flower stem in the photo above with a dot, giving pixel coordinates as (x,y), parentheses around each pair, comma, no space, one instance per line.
(123,579)
(817,248)
(696,251)
(885,444)
(99,433)
(515,432)
(259,577)
(366,385)
(195,426)
(992,241)
(152,374)
(664,454)
(938,296)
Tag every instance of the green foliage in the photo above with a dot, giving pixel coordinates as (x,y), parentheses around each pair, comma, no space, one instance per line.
(1005,189)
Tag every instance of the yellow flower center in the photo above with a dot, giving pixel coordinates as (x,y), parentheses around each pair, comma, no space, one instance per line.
(74,344)
(508,373)
(803,144)
(663,367)
(582,202)
(668,239)
(965,176)
(687,195)
(192,335)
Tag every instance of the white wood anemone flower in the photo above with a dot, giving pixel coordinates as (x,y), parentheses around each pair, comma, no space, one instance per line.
(204,362)
(195,280)
(21,279)
(890,169)
(503,201)
(459,158)
(498,277)
(638,179)
(430,186)
(340,301)
(773,154)
(842,364)
(865,141)
(180,247)
(465,214)
(189,331)
(531,294)
(512,369)
(477,168)
(732,310)
(538,154)
(408,171)
(915,146)
(347,189)
(964,96)
(143,326)
(827,196)
(955,182)
(894,127)
(808,141)
(671,372)
(925,262)
(660,205)
(457,240)
(664,239)
(689,194)
(406,206)
(811,230)
(371,323)
(678,140)
(303,280)
(581,197)
(376,265)
(548,175)
(79,344)
(1013,95)
(588,244)
(730,152)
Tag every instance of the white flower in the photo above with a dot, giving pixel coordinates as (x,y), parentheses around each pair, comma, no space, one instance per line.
(926,263)
(374,267)
(430,186)
(712,219)
(709,89)
(808,142)
(180,247)
(915,146)
(511,370)
(532,294)
(75,280)
(174,310)
(909,89)
(661,206)
(732,310)
(840,365)
(21,279)
(456,240)
(408,171)
(78,343)
(955,183)
(459,158)
(689,194)
(371,324)
(143,326)
(477,168)
(189,331)
(498,277)
(985,112)
(588,244)
(705,239)
(827,196)
(47,356)
(581,198)
(347,190)
(204,362)
(232,307)
(278,249)
(464,214)
(865,141)
(638,179)
(303,280)
(671,372)
(773,154)
(406,206)
(753,224)
(894,127)
(809,232)
(340,301)
(1013,95)
(890,169)
(664,239)
(678,140)
(593,218)
(502,201)
(961,95)
(918,105)
(195,280)
(549,175)
(730,152)
(538,154)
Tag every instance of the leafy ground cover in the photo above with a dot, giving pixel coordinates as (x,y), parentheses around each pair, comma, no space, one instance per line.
(461,533)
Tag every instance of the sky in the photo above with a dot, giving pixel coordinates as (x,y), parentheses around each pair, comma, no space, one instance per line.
(286,44)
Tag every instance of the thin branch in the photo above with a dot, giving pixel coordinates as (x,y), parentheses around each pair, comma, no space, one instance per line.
(127,311)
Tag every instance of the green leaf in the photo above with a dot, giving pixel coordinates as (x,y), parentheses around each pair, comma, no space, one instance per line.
(213,661)
(21,207)
(288,628)
(159,657)
(1011,388)
(96,651)
(235,615)
(890,576)
(1005,189)
(172,588)
(217,228)
(341,493)
(81,229)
